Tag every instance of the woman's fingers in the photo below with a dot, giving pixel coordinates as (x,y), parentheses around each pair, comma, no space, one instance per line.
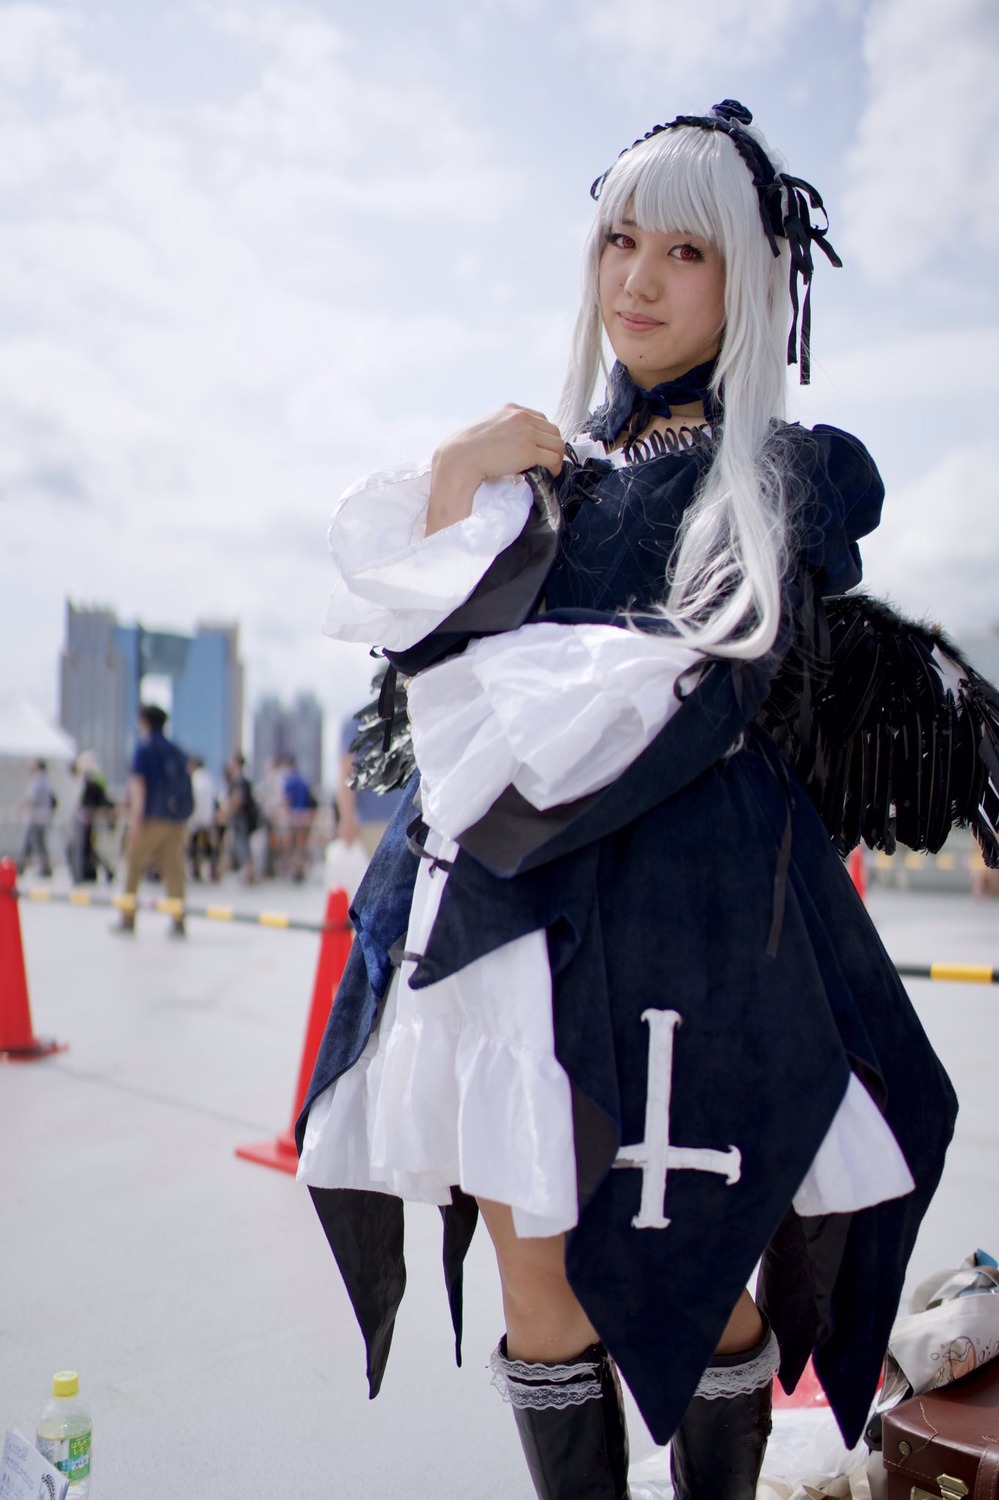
(545,433)
(548,444)
(509,441)
(551,447)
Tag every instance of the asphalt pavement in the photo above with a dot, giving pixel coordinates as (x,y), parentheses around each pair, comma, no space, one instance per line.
(193,1291)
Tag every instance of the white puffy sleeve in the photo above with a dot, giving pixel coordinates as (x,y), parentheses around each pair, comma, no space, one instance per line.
(394,584)
(555,710)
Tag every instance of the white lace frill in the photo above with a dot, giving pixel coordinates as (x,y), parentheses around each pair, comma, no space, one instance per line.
(543,1387)
(393,583)
(555,710)
(721,1382)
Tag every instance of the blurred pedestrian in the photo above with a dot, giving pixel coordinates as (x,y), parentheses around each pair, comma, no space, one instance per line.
(160,801)
(242,819)
(202,830)
(39,803)
(300,809)
(984,882)
(93,811)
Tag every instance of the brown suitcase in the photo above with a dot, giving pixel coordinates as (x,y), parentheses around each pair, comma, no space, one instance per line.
(945,1445)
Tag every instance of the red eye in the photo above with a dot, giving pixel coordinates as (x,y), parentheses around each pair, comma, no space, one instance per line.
(621,240)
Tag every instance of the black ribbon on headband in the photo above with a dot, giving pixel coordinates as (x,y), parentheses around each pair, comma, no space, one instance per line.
(786,203)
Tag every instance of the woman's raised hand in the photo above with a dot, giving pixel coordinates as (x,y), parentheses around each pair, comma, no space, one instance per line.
(508,441)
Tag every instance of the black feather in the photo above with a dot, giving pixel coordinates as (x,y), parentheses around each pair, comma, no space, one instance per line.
(383,746)
(891,749)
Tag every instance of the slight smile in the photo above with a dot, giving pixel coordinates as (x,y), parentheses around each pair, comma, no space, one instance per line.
(635,323)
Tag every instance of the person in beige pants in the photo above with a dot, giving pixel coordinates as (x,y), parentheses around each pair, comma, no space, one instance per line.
(156,841)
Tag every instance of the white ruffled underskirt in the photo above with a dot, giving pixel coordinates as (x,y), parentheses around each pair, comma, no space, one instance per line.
(459,1084)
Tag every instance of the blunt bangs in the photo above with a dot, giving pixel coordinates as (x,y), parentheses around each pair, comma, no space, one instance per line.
(667,181)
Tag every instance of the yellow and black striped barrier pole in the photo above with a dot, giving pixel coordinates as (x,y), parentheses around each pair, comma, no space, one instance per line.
(962,973)
(959,973)
(172,907)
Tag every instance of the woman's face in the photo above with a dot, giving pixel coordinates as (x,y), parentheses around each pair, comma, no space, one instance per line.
(662,300)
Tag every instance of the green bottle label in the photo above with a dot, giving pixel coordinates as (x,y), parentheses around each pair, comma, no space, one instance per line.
(71,1456)
(77,1464)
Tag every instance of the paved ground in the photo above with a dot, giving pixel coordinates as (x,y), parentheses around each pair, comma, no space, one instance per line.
(193,1291)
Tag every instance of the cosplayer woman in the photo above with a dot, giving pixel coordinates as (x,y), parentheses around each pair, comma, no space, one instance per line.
(611,986)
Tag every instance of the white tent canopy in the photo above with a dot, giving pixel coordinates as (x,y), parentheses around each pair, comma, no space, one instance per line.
(26,734)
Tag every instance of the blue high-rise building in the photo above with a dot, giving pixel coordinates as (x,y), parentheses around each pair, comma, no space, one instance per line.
(207,717)
(102,670)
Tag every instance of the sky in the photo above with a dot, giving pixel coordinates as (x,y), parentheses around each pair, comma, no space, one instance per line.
(251,251)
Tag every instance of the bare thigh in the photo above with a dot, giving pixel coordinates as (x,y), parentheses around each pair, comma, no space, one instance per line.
(544,1319)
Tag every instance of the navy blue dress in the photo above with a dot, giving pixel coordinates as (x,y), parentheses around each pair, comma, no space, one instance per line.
(701,883)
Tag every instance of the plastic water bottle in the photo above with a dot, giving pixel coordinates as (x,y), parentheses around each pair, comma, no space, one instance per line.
(65,1433)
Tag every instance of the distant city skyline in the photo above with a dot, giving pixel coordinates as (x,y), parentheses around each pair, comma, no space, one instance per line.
(252,252)
(105,671)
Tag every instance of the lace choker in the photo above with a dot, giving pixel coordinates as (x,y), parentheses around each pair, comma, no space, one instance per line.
(629,409)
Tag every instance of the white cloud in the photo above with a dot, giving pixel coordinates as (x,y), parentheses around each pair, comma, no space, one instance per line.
(728,34)
(330,136)
(220,304)
(932,389)
(935,553)
(71,431)
(201,324)
(33,44)
(924,169)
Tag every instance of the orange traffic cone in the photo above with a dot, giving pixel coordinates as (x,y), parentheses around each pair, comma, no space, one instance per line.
(333,951)
(17,1041)
(858,874)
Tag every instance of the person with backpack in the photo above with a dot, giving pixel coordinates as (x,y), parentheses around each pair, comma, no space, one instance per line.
(160,801)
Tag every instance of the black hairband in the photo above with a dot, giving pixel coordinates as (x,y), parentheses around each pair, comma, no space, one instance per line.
(785,202)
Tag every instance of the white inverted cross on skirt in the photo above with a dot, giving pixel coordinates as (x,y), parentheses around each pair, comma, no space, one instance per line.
(655,1156)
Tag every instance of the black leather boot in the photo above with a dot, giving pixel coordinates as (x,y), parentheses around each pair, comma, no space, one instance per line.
(570,1418)
(717,1451)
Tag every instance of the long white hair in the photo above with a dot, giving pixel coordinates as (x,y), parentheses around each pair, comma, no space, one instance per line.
(723,581)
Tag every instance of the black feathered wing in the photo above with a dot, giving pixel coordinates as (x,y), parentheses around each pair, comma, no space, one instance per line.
(383,746)
(891,729)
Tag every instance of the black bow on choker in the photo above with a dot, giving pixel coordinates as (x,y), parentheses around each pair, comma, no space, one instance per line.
(628,405)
